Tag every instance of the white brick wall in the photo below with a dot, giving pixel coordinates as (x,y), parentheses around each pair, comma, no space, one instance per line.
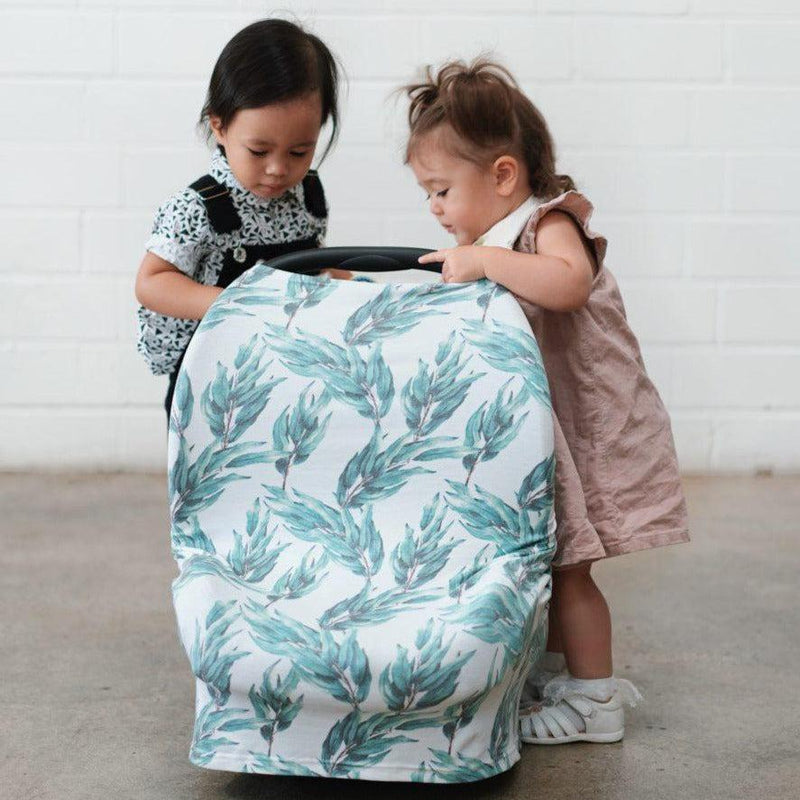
(679,118)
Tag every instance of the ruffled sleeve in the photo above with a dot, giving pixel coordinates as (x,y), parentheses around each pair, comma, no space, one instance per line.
(580,209)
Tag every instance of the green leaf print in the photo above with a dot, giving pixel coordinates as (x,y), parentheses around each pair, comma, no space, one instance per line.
(536,491)
(499,615)
(506,726)
(211,719)
(182,404)
(419,558)
(460,715)
(486,516)
(435,392)
(365,385)
(274,765)
(273,704)
(358,741)
(492,427)
(470,574)
(349,539)
(299,430)
(195,539)
(340,668)
(243,294)
(447,768)
(300,580)
(232,402)
(391,314)
(373,473)
(367,608)
(305,291)
(253,555)
(512,350)
(422,680)
(208,662)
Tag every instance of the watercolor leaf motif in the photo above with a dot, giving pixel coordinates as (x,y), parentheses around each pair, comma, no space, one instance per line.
(432,396)
(358,741)
(422,679)
(231,402)
(208,662)
(511,350)
(364,384)
(340,668)
(273,704)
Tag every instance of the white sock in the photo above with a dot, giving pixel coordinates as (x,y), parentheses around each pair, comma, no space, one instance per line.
(597,688)
(600,689)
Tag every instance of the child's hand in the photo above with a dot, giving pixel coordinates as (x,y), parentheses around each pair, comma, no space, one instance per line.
(338,274)
(459,264)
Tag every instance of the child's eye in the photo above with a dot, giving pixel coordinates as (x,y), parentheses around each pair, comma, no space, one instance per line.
(299,155)
(442,193)
(258,153)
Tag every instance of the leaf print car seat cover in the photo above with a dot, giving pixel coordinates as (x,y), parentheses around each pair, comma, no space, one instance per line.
(361,490)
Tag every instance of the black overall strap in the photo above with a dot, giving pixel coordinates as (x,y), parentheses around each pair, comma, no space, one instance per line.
(222,213)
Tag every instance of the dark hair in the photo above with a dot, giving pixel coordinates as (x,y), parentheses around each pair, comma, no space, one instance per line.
(272,61)
(490,116)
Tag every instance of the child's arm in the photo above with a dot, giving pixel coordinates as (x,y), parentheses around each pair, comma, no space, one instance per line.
(163,288)
(557,277)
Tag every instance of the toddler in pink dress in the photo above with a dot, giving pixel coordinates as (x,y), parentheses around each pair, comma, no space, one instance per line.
(484,155)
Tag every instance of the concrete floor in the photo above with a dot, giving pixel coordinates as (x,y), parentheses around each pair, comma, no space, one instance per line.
(97,697)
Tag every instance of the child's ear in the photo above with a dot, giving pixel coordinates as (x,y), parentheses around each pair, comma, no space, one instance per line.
(506,171)
(217,129)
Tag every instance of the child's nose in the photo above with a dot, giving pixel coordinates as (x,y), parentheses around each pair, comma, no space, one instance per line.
(277,166)
(436,206)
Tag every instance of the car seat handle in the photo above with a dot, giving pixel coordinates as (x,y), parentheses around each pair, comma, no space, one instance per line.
(361,259)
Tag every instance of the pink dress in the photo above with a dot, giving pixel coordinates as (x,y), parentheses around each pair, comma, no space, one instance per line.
(618,487)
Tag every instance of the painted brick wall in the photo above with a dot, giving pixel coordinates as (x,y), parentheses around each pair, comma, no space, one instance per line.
(679,118)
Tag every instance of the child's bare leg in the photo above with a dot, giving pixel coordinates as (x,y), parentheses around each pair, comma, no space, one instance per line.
(584,704)
(582,629)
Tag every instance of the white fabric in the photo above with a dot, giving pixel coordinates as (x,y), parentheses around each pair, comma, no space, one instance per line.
(506,231)
(401,276)
(361,497)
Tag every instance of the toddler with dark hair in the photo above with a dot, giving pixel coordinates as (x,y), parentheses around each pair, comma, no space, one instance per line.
(272,90)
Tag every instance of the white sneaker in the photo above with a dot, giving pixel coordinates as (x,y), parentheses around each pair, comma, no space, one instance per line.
(570,714)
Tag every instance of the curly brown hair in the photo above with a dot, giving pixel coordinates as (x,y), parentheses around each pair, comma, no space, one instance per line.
(487,116)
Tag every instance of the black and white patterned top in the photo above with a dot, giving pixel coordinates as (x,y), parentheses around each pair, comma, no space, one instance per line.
(182,235)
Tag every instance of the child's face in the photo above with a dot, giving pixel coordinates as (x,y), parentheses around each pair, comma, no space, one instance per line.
(270,148)
(462,196)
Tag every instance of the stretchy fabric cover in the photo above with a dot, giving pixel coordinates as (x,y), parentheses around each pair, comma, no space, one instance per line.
(360,481)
